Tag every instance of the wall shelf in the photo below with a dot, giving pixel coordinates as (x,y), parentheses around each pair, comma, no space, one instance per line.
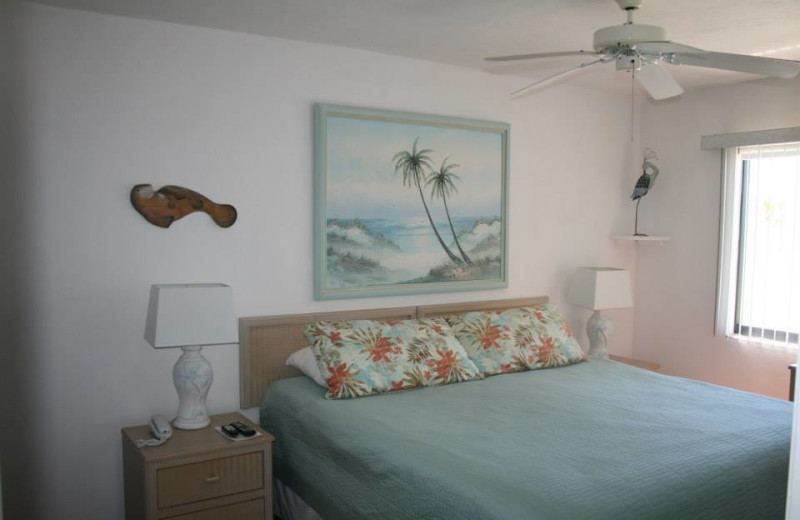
(635,238)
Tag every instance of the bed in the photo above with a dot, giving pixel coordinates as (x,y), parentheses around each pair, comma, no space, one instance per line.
(595,440)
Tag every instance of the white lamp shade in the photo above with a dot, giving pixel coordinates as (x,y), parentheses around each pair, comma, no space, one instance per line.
(191,315)
(598,288)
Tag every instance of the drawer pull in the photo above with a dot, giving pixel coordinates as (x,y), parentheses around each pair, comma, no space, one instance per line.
(212,480)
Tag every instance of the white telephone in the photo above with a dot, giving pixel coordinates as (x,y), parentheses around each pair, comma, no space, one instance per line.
(161,429)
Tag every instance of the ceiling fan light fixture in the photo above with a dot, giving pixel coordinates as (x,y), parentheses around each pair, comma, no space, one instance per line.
(629,63)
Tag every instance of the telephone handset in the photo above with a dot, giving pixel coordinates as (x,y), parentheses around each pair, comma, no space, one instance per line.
(161,429)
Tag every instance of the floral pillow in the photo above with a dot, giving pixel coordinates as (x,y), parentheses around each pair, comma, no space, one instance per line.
(525,338)
(365,357)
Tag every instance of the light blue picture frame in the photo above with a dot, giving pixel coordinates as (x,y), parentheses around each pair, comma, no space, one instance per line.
(373,238)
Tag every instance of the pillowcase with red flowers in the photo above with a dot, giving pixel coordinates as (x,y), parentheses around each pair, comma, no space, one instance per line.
(513,340)
(358,358)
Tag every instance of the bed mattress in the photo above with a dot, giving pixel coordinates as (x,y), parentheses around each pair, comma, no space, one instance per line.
(597,440)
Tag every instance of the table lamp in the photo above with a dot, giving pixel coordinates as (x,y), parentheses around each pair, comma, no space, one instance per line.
(596,289)
(191,316)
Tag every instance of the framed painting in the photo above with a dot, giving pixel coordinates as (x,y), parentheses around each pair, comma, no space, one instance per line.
(408,203)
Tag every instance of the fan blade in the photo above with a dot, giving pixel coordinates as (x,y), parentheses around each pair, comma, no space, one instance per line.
(762,66)
(686,55)
(666,47)
(657,82)
(530,89)
(517,57)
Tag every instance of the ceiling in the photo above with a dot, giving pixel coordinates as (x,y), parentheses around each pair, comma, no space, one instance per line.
(462,32)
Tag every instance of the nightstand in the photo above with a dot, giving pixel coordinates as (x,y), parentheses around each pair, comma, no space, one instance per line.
(198,474)
(647,365)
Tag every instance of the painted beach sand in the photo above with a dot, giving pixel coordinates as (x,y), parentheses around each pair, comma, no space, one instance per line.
(409,203)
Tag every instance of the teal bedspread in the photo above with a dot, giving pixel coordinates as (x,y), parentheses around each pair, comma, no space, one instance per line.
(597,440)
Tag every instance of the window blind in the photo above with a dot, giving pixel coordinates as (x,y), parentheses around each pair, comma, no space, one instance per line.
(768,274)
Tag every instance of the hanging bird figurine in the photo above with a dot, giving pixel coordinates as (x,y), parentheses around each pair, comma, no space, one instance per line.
(645,183)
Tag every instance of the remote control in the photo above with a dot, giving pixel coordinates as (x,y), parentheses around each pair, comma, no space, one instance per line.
(229,430)
(243,428)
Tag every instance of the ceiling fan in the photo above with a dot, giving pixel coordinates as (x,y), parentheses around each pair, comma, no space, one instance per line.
(641,49)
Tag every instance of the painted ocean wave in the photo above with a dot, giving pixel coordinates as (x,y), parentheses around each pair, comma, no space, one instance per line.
(369,252)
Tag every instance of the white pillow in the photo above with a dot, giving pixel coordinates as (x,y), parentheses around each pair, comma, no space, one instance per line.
(305,361)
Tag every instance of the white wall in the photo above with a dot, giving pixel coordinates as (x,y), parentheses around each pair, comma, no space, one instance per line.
(6,266)
(106,103)
(676,285)
(17,370)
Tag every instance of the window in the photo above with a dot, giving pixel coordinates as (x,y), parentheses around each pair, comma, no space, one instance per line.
(759,286)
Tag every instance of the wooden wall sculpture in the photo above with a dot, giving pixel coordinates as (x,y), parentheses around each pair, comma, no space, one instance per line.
(170,203)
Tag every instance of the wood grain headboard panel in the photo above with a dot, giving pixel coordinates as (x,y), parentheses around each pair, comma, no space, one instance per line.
(265,342)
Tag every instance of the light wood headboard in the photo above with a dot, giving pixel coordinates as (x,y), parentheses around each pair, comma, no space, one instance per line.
(266,341)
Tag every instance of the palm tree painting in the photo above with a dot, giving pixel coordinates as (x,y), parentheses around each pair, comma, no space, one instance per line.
(442,185)
(413,165)
(408,203)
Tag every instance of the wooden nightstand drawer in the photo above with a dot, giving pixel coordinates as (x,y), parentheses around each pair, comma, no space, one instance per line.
(253,510)
(198,474)
(210,479)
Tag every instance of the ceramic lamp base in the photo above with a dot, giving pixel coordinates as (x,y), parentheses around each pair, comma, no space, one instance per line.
(599,328)
(192,376)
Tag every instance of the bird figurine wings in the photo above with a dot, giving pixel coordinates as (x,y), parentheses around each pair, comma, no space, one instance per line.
(644,184)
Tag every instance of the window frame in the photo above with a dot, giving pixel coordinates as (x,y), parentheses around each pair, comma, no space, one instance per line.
(730,227)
